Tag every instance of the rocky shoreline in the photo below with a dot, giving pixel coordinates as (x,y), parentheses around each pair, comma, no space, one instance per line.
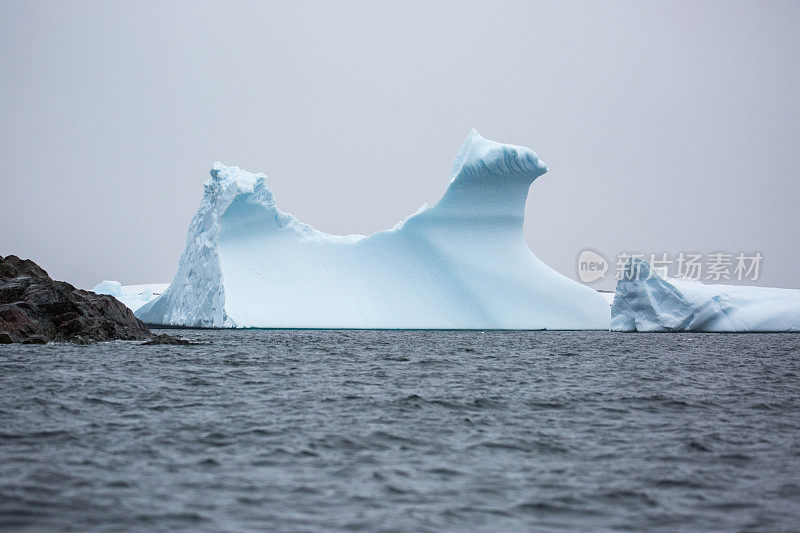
(35,309)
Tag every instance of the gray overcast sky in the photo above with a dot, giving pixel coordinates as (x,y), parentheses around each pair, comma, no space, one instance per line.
(667,126)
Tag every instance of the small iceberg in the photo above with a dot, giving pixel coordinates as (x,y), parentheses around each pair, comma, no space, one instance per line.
(647,301)
(133,296)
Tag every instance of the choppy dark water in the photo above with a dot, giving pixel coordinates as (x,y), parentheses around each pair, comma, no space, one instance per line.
(310,430)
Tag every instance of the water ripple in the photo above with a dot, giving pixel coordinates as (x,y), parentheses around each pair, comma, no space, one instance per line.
(422,431)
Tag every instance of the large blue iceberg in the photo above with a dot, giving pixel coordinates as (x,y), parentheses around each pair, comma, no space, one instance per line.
(646,301)
(461,264)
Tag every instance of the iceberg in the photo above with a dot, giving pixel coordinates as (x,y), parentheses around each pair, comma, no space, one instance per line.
(460,264)
(133,296)
(647,301)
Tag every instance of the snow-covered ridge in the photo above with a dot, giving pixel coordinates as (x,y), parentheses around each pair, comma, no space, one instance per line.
(462,263)
(646,301)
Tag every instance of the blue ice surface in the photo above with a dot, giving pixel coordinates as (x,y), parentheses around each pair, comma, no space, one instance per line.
(460,264)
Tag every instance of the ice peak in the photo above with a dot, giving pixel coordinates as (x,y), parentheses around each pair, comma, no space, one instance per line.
(226,177)
(480,157)
(637,267)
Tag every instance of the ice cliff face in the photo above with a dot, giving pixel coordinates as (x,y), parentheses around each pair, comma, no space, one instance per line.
(462,263)
(649,302)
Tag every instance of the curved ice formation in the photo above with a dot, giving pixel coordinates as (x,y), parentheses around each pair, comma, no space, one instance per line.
(645,301)
(461,264)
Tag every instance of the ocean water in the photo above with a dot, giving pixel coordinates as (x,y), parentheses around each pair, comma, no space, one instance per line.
(403,431)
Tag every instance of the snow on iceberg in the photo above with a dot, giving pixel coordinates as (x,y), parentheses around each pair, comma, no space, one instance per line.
(133,296)
(461,264)
(646,301)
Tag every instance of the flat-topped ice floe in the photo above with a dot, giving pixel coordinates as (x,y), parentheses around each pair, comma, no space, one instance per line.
(461,264)
(645,301)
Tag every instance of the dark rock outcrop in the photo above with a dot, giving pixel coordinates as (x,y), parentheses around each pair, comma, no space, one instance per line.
(167,339)
(35,309)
